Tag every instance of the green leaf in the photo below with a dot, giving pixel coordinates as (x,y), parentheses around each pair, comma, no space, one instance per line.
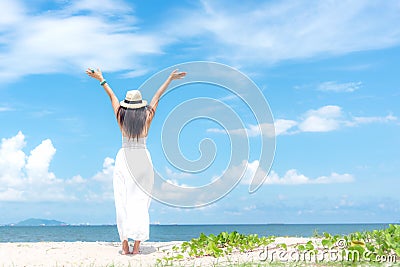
(282,245)
(301,247)
(370,247)
(327,235)
(326,243)
(309,245)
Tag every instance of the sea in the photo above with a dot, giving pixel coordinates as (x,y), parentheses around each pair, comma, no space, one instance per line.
(163,233)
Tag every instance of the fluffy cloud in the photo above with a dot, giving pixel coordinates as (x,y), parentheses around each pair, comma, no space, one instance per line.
(291,177)
(27,177)
(325,119)
(80,34)
(37,165)
(273,31)
(76,34)
(107,172)
(12,160)
(330,118)
(282,126)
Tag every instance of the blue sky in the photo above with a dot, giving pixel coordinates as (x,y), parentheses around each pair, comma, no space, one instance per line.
(328,71)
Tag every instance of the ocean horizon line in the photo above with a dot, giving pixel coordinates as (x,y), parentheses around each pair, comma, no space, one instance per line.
(204,224)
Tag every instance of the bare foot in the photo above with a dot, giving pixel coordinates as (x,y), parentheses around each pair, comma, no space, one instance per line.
(125,248)
(136,247)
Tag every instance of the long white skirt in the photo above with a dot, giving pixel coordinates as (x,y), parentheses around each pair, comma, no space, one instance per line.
(131,202)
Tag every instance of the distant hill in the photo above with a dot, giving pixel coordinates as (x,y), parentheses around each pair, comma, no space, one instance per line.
(39,222)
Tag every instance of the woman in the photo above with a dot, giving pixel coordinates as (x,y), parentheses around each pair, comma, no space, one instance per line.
(133,166)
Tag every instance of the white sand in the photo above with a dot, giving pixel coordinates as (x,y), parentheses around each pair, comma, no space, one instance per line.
(79,254)
(109,254)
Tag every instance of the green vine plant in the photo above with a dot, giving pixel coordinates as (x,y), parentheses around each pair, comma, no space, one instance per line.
(368,246)
(216,246)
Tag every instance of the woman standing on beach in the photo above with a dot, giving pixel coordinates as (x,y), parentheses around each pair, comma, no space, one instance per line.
(134,117)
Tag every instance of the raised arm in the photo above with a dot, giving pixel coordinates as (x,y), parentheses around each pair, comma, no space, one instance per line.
(98,75)
(173,76)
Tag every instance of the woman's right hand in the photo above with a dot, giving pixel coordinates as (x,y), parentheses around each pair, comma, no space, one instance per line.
(97,74)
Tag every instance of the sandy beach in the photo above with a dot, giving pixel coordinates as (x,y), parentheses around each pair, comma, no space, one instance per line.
(79,254)
(109,254)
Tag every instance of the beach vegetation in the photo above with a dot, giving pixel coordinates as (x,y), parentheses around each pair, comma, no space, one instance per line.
(216,246)
(369,247)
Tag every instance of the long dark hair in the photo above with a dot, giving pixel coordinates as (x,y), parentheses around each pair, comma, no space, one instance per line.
(133,121)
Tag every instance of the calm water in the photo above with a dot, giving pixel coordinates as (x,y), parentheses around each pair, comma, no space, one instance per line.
(170,232)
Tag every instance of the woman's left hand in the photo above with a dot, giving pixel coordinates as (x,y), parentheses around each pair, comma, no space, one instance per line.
(175,75)
(95,74)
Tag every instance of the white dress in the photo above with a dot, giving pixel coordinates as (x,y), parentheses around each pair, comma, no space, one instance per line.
(133,171)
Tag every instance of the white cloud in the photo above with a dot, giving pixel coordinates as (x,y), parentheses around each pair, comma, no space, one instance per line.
(365,120)
(272,31)
(291,177)
(2,109)
(229,98)
(27,178)
(106,174)
(334,86)
(330,118)
(77,179)
(325,119)
(250,170)
(344,202)
(250,208)
(12,160)
(175,182)
(135,73)
(334,178)
(86,33)
(281,197)
(176,175)
(255,130)
(215,130)
(12,12)
(37,166)
(105,33)
(100,6)
(11,194)
(282,126)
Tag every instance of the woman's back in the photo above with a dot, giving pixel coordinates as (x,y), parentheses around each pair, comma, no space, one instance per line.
(133,175)
(133,142)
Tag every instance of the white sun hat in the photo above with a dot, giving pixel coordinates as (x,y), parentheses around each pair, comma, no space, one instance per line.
(133,99)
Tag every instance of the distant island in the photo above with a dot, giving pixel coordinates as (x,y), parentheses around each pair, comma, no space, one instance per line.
(39,222)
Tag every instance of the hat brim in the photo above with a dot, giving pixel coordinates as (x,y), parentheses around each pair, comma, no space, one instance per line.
(133,106)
